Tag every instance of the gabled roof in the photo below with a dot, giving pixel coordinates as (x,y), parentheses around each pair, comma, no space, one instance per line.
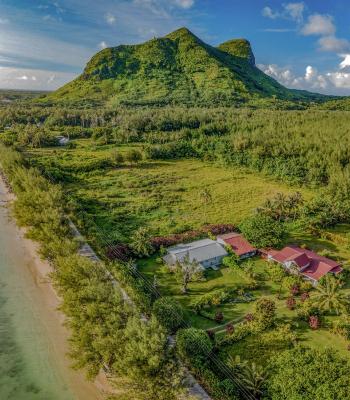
(238,243)
(311,264)
(317,269)
(200,250)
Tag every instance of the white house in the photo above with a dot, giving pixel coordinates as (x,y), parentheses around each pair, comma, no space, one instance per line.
(208,253)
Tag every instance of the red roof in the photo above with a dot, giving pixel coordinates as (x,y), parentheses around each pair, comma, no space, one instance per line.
(238,243)
(311,264)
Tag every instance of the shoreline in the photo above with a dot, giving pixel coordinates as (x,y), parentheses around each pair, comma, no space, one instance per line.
(51,317)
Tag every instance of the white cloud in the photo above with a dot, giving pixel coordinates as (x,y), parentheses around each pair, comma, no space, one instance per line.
(339,79)
(310,73)
(318,24)
(333,44)
(332,82)
(29,79)
(110,19)
(184,3)
(26,78)
(267,12)
(103,45)
(291,11)
(346,62)
(295,11)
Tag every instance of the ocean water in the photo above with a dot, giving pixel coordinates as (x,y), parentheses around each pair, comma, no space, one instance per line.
(31,363)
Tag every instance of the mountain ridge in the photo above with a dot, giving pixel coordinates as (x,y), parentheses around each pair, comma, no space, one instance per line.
(178,68)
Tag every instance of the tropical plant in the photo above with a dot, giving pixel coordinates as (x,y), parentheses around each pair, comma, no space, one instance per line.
(169,313)
(328,296)
(141,242)
(251,375)
(188,271)
(263,231)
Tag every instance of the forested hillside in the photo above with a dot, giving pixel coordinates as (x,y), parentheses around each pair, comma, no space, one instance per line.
(176,69)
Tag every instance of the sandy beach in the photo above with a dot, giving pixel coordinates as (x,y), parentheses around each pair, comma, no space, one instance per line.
(45,303)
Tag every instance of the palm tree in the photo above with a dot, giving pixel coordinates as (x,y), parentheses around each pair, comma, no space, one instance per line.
(251,375)
(140,242)
(329,297)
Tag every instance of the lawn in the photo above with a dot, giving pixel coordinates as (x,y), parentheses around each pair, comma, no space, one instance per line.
(224,278)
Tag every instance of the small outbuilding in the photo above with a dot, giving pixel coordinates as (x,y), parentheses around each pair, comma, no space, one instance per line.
(239,245)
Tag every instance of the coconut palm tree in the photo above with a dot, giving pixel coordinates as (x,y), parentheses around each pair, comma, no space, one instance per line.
(251,375)
(329,297)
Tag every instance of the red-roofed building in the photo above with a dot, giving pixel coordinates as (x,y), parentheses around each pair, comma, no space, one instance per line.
(309,264)
(238,244)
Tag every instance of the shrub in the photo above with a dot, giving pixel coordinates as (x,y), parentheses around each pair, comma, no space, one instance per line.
(192,343)
(230,329)
(291,303)
(230,261)
(121,252)
(304,296)
(314,322)
(295,289)
(341,327)
(133,156)
(166,241)
(219,317)
(169,313)
(306,309)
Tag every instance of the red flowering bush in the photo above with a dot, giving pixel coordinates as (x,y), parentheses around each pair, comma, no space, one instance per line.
(304,296)
(249,317)
(230,329)
(291,303)
(219,317)
(314,322)
(294,290)
(170,240)
(218,229)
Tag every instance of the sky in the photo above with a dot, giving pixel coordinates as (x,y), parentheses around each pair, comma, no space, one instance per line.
(304,45)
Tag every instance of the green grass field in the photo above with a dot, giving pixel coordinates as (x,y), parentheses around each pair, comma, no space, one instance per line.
(162,195)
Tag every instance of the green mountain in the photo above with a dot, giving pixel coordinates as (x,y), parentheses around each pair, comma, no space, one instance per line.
(178,68)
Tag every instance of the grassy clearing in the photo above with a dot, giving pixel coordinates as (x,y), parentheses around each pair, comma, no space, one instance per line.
(162,195)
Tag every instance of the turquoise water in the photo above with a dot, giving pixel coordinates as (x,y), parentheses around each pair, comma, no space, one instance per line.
(31,366)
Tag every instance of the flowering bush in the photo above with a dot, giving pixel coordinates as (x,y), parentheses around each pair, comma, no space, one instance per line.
(219,317)
(230,329)
(304,296)
(294,290)
(314,322)
(170,240)
(291,303)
